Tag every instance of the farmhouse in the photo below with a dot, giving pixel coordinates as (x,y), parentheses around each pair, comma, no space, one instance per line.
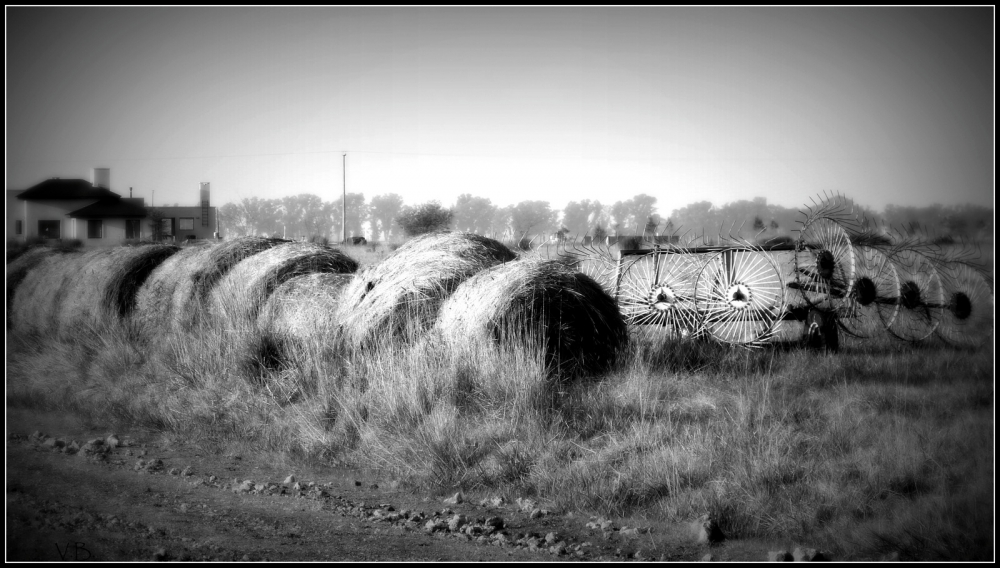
(93,214)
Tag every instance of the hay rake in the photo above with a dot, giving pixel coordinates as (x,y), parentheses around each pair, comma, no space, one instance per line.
(842,272)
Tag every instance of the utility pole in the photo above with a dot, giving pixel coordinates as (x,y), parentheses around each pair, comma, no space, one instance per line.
(343,209)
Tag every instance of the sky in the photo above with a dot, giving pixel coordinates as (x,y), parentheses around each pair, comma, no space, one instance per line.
(882,105)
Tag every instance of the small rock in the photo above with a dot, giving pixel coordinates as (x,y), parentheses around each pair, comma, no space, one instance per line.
(140,464)
(457,522)
(174,471)
(629,532)
(535,514)
(434,525)
(112,441)
(551,538)
(154,465)
(707,558)
(212,478)
(455,499)
(891,557)
(259,487)
(96,442)
(639,555)
(558,549)
(779,556)
(160,554)
(289,480)
(184,508)
(296,486)
(187,471)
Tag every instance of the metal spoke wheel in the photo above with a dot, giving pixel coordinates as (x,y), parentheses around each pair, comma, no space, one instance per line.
(921,297)
(873,303)
(657,295)
(824,264)
(967,318)
(740,295)
(596,261)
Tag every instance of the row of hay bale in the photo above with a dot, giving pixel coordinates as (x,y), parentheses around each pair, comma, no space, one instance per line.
(467,287)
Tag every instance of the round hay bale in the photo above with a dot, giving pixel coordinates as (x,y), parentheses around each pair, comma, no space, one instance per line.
(107,283)
(42,292)
(534,299)
(304,306)
(237,298)
(404,291)
(158,304)
(18,269)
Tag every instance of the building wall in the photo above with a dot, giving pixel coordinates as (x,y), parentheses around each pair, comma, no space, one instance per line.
(30,212)
(199,230)
(114,232)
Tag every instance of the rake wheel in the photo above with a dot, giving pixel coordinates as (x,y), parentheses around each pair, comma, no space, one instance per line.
(921,297)
(740,296)
(824,264)
(967,318)
(873,303)
(657,295)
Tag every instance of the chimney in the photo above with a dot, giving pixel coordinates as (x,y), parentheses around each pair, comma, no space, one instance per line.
(101,177)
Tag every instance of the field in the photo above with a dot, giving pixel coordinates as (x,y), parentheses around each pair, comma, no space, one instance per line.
(885,447)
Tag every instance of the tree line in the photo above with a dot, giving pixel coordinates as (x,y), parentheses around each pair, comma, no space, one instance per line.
(385,217)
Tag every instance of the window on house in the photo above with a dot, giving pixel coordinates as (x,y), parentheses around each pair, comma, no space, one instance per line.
(49,229)
(95,229)
(132,229)
(185,224)
(18,227)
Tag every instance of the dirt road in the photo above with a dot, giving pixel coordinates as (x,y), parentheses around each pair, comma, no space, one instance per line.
(151,497)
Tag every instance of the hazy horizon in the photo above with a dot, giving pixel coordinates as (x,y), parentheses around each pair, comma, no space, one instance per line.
(882,105)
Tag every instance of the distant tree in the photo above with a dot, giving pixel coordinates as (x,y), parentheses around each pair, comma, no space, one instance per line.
(619,217)
(424,219)
(652,223)
(580,216)
(561,234)
(600,233)
(381,212)
(500,224)
(774,225)
(357,213)
(532,218)
(758,224)
(473,214)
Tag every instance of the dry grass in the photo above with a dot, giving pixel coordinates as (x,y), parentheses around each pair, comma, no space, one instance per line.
(237,298)
(17,270)
(303,307)
(543,301)
(107,283)
(404,291)
(882,447)
(43,293)
(164,297)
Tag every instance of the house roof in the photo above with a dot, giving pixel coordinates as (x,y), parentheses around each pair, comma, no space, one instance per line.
(109,208)
(58,188)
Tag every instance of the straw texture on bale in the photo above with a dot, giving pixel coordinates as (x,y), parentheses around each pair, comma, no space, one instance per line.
(107,283)
(43,291)
(581,327)
(405,290)
(17,270)
(223,258)
(237,299)
(161,299)
(304,307)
